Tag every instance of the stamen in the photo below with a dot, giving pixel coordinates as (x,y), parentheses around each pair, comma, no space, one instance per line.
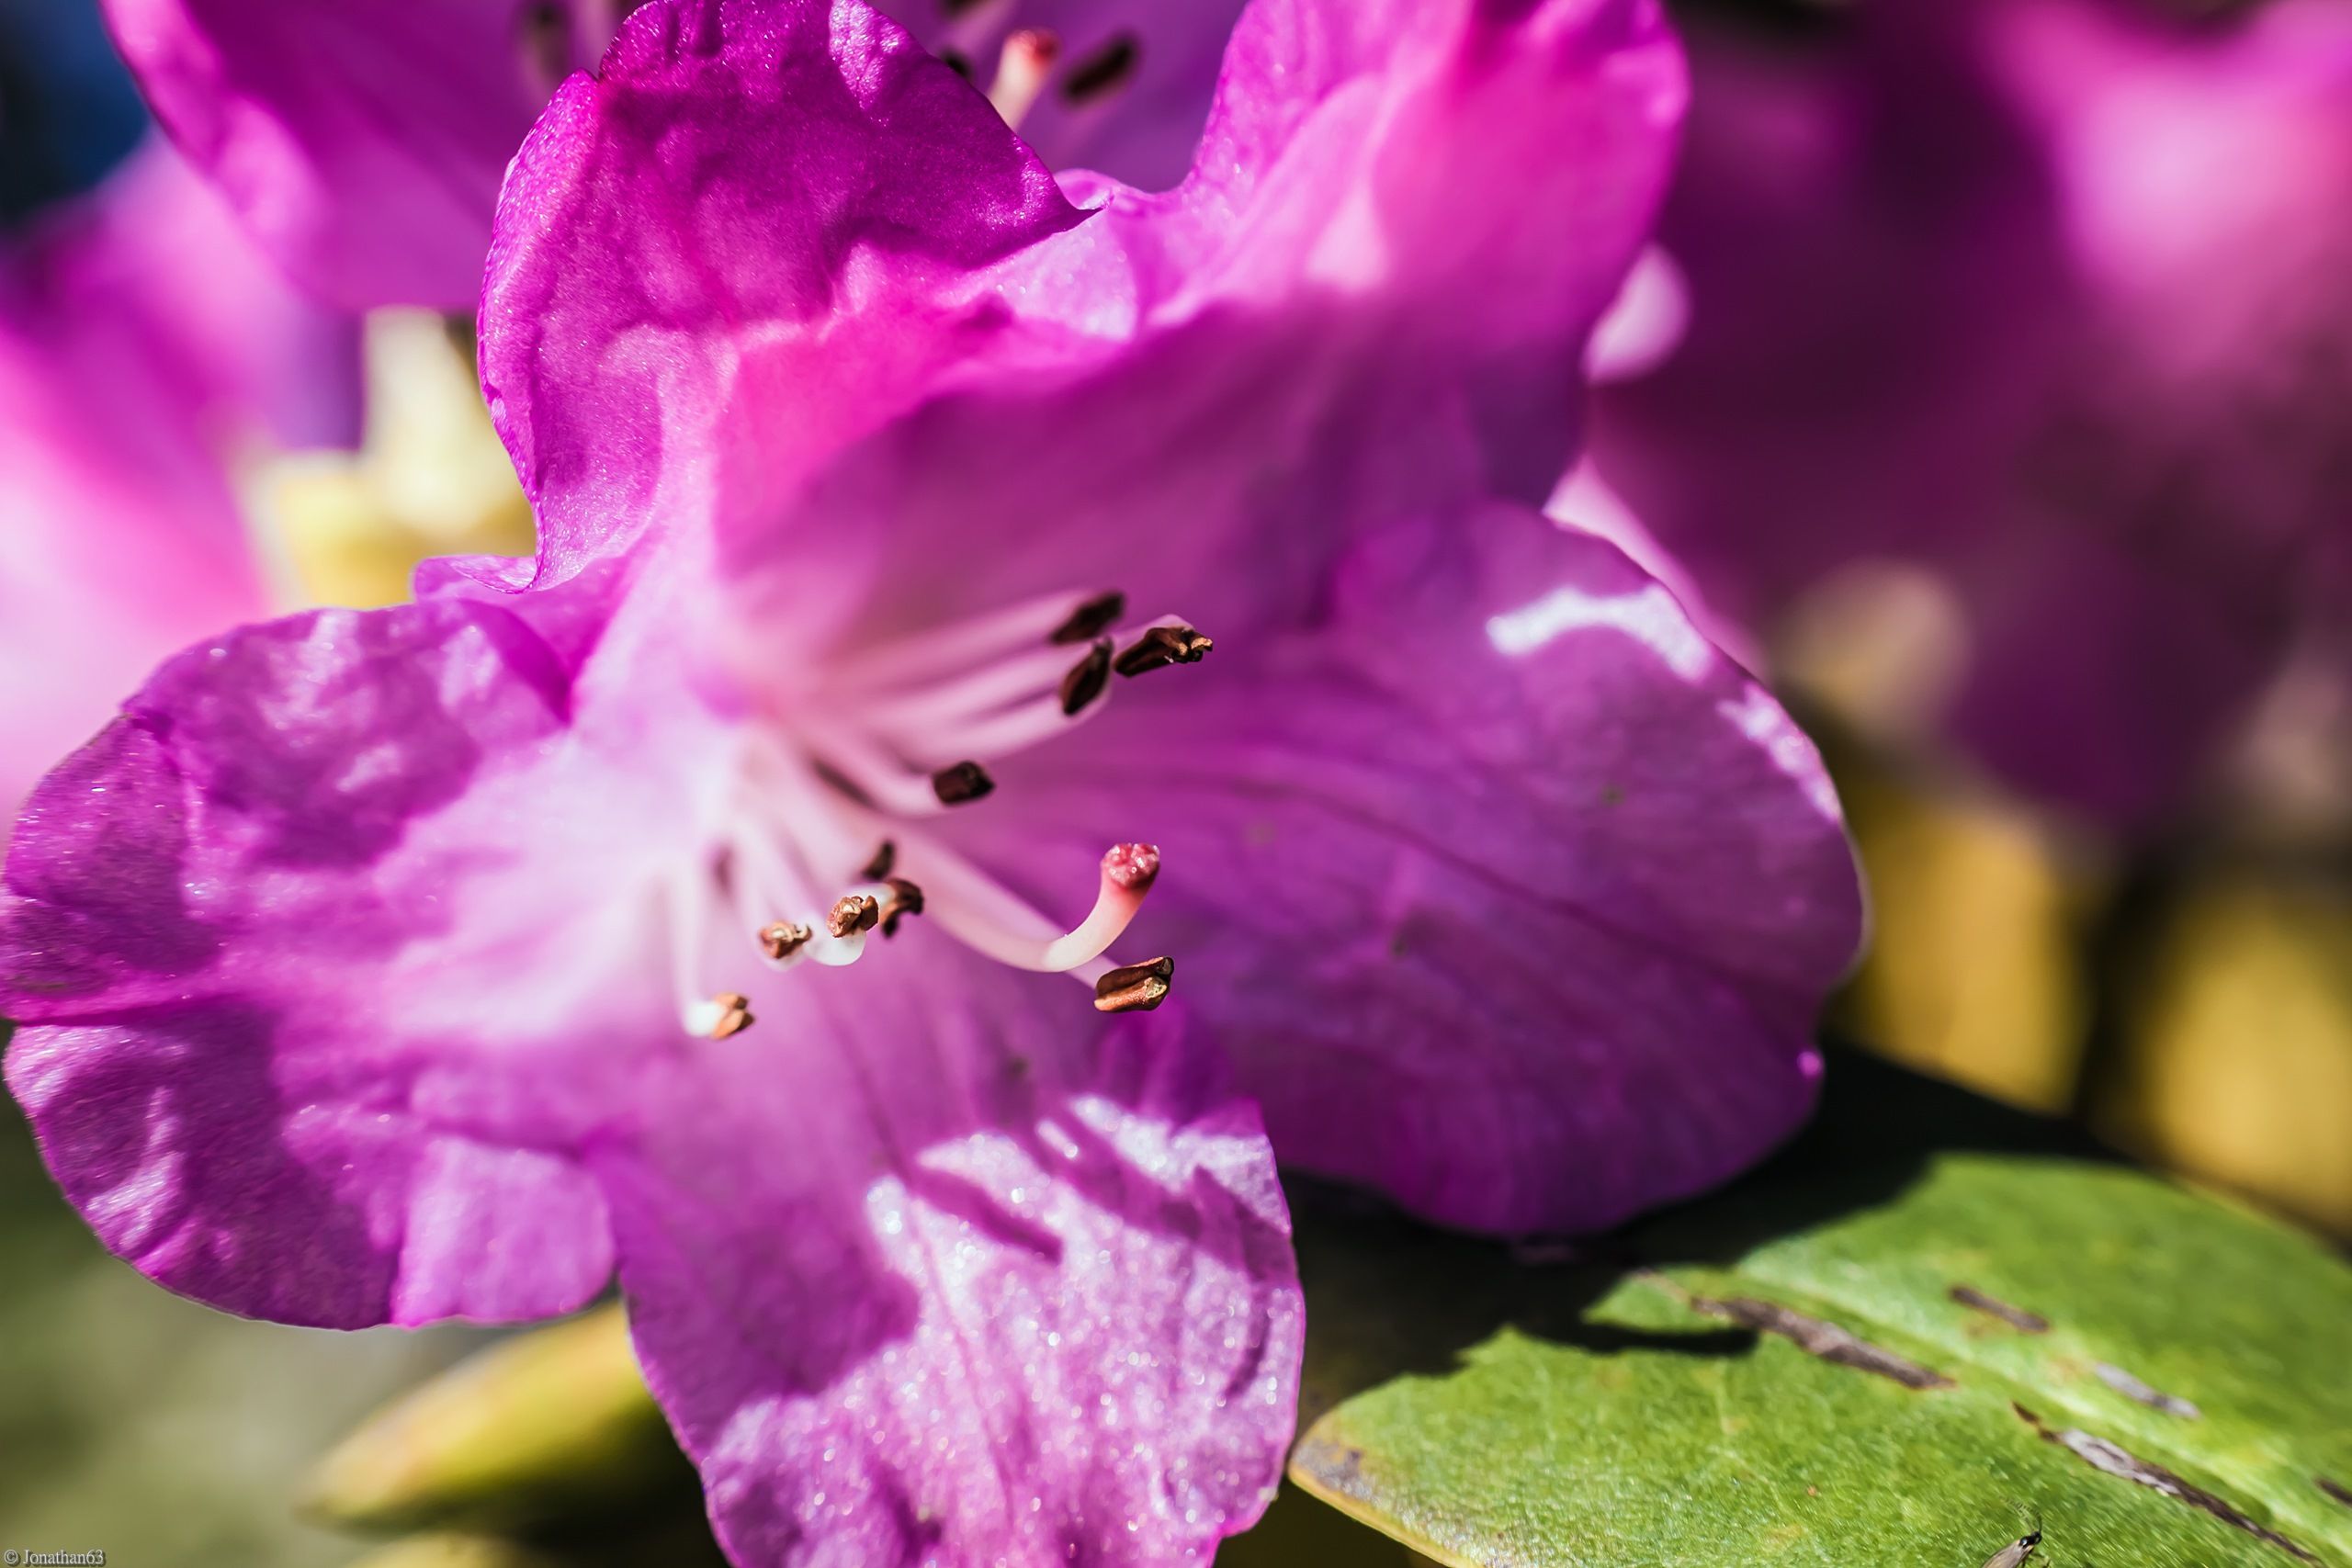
(1137,988)
(1102,72)
(1009,730)
(988,686)
(1021,68)
(853,913)
(991,921)
(783,940)
(545,40)
(846,757)
(724,1015)
(841,952)
(764,882)
(1091,619)
(1088,679)
(1162,646)
(961,782)
(906,899)
(956,60)
(960,645)
(1017,729)
(688,894)
(847,779)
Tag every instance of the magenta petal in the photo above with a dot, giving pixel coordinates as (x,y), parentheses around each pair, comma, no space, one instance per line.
(1372,294)
(362,140)
(801,175)
(1514,897)
(706,295)
(912,1295)
(222,1157)
(322,956)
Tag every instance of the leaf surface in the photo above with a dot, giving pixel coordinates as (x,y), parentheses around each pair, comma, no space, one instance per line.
(1926,1316)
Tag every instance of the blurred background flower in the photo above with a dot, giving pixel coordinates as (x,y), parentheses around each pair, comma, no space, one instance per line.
(2012,423)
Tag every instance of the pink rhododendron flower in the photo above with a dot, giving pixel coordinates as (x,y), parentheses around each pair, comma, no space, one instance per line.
(954,581)
(143,342)
(2048,297)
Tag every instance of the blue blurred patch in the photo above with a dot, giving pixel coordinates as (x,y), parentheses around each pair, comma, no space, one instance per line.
(68,111)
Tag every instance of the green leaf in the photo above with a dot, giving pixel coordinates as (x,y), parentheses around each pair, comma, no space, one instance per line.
(1781,1374)
(545,1427)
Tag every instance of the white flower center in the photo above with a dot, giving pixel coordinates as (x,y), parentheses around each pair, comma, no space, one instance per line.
(825,844)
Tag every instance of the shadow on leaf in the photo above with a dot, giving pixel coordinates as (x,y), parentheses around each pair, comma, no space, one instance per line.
(1389,1298)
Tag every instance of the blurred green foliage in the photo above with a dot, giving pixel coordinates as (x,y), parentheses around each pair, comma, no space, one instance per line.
(155,1430)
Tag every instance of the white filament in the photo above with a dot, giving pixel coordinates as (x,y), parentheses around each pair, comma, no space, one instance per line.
(976,910)
(959,645)
(989,687)
(883,724)
(1021,68)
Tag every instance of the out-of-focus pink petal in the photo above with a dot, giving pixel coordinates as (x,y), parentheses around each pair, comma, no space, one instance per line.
(361,140)
(917,1283)
(149,281)
(1644,323)
(142,345)
(118,542)
(2042,295)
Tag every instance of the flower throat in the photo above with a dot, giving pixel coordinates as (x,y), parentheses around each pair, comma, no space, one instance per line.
(825,848)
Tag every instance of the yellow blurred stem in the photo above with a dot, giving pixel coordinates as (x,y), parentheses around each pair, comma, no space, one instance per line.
(456,1552)
(2237,1066)
(430,479)
(539,1427)
(1979,919)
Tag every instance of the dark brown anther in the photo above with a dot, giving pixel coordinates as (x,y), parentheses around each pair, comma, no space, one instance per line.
(964,781)
(734,1015)
(854,912)
(956,60)
(545,42)
(905,898)
(1101,71)
(1091,619)
(1139,987)
(1087,679)
(951,9)
(878,868)
(1162,646)
(781,939)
